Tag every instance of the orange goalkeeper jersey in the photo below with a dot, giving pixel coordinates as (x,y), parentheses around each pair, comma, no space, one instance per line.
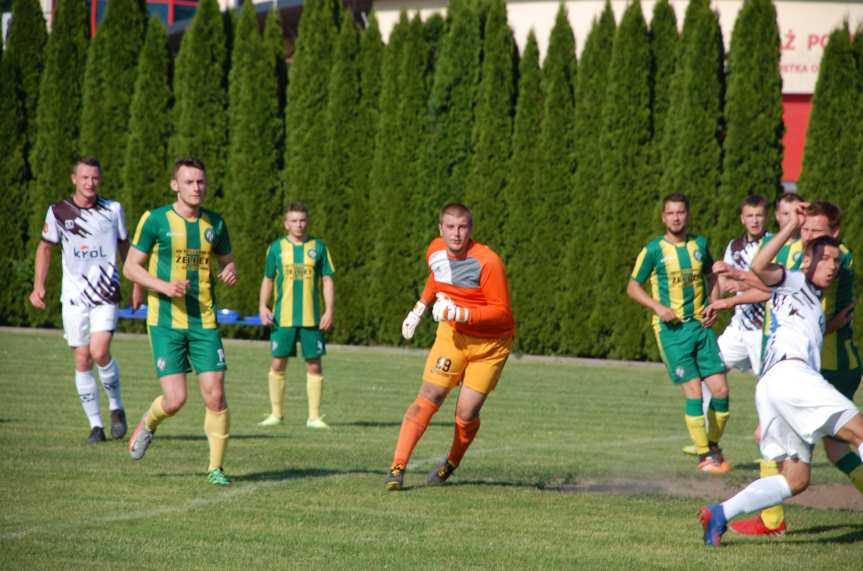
(475,280)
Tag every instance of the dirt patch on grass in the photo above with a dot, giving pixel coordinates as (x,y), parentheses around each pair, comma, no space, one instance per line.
(831,496)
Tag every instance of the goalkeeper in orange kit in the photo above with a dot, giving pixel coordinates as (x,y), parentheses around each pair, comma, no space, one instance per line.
(467,285)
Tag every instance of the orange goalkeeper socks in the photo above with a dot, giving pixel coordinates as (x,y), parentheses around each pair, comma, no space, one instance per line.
(465,432)
(416,420)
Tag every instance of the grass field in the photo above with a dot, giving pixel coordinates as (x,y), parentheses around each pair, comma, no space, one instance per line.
(576,466)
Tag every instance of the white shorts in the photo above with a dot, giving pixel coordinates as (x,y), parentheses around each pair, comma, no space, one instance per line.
(796,408)
(741,349)
(79,321)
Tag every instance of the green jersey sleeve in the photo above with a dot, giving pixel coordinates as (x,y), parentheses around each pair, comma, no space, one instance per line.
(146,233)
(270,263)
(643,266)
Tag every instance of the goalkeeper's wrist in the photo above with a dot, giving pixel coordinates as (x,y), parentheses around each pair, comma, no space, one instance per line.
(419,308)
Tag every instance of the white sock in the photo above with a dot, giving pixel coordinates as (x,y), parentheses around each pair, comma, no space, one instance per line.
(860,450)
(758,495)
(85,382)
(705,401)
(110,376)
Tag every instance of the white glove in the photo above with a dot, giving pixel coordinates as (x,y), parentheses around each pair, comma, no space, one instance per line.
(445,310)
(415,315)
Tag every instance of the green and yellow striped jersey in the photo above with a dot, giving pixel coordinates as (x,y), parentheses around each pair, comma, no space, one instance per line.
(297,270)
(182,249)
(677,275)
(839,352)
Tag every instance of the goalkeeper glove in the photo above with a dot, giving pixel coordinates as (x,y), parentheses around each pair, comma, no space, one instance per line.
(445,310)
(415,315)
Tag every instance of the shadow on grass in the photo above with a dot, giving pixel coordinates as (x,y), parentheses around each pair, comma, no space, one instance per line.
(233,436)
(295,474)
(854,534)
(385,424)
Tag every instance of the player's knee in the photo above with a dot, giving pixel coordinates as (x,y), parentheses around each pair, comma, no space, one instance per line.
(101,355)
(171,404)
(797,478)
(313,366)
(83,360)
(467,415)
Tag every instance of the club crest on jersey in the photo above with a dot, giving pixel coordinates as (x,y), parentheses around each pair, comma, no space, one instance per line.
(697,255)
(208,235)
(313,254)
(161,363)
(69,224)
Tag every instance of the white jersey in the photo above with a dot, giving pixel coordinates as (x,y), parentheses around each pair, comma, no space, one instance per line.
(88,237)
(796,323)
(739,254)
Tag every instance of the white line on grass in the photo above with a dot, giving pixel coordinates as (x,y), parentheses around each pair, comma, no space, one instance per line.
(245,490)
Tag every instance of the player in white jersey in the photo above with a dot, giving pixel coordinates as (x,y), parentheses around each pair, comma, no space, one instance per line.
(796,405)
(91,231)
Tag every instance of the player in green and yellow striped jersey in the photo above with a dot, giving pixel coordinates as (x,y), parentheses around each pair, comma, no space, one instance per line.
(299,268)
(181,240)
(679,268)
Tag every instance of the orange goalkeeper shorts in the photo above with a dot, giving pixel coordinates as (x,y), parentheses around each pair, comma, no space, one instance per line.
(455,358)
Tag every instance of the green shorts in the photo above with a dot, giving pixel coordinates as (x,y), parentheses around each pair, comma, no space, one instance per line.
(689,351)
(178,350)
(283,342)
(846,382)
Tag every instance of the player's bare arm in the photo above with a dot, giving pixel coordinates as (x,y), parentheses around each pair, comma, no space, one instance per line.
(841,319)
(264,297)
(738,280)
(750,296)
(135,271)
(40,273)
(636,291)
(768,272)
(329,287)
(228,273)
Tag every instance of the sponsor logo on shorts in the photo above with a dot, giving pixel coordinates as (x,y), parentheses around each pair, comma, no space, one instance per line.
(208,235)
(274,345)
(161,363)
(442,365)
(221,355)
(679,372)
(320,346)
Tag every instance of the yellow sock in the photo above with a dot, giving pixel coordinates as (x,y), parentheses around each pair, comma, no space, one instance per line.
(277,392)
(695,425)
(856,477)
(156,414)
(217,425)
(772,517)
(716,424)
(314,388)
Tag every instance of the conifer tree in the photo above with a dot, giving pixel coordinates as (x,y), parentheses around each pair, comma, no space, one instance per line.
(25,54)
(12,294)
(251,181)
(663,46)
(833,136)
(752,160)
(384,178)
(58,119)
(626,194)
(201,98)
(275,44)
(446,156)
(146,165)
(108,89)
(590,88)
(434,30)
(556,168)
(306,105)
(492,132)
(354,259)
(345,155)
(398,259)
(692,151)
(523,192)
